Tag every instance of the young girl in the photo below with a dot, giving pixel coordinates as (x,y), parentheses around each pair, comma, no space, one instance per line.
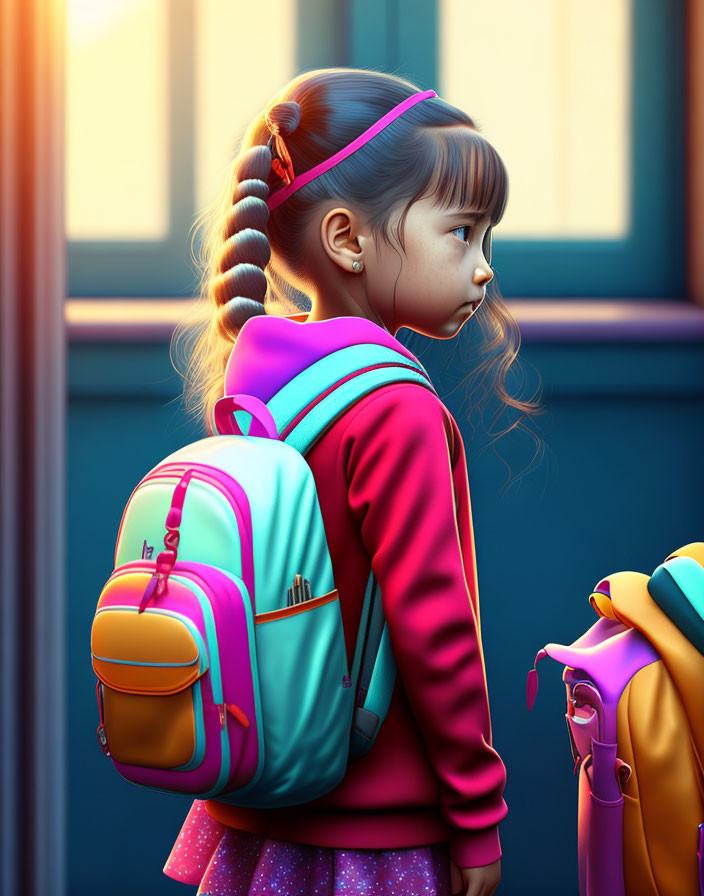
(377,201)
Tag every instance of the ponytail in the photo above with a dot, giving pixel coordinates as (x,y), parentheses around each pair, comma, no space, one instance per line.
(236,280)
(240,284)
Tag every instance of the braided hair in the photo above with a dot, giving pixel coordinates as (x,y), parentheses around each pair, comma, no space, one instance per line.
(240,285)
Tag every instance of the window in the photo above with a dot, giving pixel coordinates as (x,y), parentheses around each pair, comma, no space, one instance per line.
(551,93)
(158,91)
(116,121)
(584,100)
(590,214)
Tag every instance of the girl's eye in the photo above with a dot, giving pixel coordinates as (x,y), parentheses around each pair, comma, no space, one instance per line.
(466,227)
(486,243)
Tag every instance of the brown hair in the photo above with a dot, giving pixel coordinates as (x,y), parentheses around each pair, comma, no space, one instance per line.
(317,114)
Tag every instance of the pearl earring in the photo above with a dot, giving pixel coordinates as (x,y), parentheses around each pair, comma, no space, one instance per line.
(356,266)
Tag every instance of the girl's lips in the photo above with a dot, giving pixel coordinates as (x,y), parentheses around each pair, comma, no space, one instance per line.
(473,304)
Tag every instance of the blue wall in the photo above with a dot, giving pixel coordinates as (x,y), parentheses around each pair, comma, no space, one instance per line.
(621,485)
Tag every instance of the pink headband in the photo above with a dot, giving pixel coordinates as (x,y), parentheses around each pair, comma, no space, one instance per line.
(282,195)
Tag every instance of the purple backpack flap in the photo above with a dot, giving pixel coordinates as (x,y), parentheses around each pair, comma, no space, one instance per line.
(598,666)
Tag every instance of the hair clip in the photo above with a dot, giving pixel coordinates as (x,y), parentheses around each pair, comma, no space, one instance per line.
(281,162)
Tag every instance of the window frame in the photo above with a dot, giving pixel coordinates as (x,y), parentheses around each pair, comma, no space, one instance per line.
(363,32)
(139,268)
(650,261)
(153,267)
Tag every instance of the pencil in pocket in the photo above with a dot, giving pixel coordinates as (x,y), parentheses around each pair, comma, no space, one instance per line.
(299,591)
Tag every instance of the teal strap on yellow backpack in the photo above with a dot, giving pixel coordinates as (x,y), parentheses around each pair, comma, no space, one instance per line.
(677,587)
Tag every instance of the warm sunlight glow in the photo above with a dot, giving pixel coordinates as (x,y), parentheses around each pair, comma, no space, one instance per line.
(547,82)
(91,20)
(245,53)
(117,162)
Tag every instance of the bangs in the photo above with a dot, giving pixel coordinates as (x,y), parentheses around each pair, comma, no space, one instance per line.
(469,173)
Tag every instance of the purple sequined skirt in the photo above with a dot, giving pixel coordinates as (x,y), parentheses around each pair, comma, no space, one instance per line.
(223,861)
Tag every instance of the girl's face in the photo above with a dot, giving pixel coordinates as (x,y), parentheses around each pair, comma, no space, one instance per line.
(442,279)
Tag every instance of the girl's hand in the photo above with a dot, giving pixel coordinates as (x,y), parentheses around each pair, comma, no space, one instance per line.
(481,881)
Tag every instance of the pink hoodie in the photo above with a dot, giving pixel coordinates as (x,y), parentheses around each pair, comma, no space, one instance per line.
(392,485)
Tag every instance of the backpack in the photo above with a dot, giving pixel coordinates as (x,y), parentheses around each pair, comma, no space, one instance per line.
(635,719)
(220,658)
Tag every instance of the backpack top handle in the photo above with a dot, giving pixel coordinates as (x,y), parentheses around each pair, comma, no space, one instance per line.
(263,423)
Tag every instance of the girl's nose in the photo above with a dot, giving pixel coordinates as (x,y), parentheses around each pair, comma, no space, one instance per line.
(482,276)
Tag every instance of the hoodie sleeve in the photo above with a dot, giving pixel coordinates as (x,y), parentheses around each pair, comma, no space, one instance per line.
(405,491)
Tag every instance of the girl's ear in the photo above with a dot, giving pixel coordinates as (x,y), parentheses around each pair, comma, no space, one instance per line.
(339,235)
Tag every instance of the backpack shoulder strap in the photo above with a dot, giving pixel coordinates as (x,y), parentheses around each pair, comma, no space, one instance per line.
(373,672)
(319,395)
(303,410)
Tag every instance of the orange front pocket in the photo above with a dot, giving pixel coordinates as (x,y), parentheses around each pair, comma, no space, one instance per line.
(151,731)
(149,653)
(149,666)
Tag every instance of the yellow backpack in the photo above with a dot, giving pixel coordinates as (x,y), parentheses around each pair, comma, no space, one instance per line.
(635,716)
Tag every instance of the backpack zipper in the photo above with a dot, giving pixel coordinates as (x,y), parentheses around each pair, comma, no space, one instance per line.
(236,497)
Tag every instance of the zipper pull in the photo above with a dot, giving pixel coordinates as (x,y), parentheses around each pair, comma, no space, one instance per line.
(152,586)
(532,682)
(221,709)
(234,709)
(102,739)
